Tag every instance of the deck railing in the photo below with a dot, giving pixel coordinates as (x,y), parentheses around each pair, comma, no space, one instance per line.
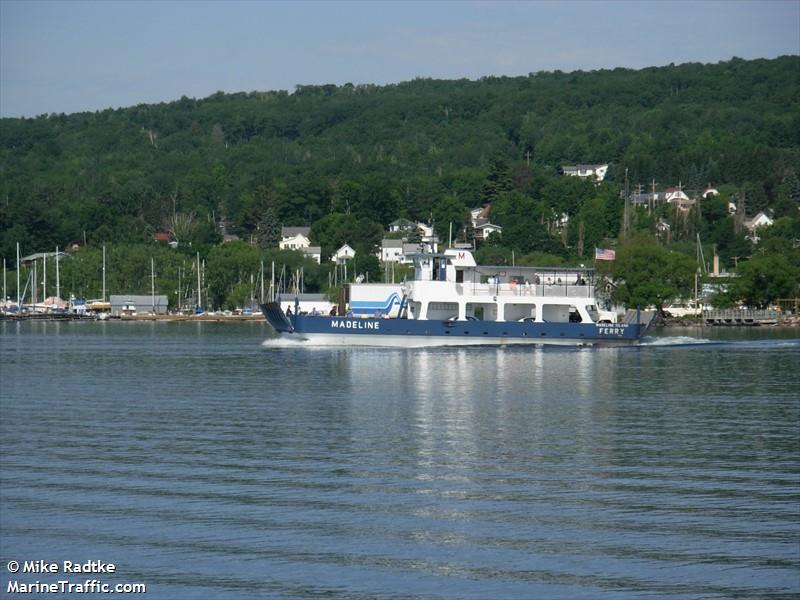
(525,290)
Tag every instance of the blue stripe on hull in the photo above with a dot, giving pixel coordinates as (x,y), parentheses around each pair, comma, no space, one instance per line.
(536,333)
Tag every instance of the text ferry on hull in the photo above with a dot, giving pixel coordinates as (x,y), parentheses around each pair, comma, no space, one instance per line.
(454,302)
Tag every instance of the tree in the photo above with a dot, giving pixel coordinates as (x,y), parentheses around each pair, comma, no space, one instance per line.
(230,265)
(367,265)
(765,278)
(336,229)
(497,182)
(647,274)
(449,211)
(182,226)
(269,229)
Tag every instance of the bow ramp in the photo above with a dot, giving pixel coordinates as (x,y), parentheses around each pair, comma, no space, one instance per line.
(274,315)
(639,317)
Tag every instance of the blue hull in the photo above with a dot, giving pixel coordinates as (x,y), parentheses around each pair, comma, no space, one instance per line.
(376,331)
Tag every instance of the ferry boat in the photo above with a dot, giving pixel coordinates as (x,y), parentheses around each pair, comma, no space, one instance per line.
(454,302)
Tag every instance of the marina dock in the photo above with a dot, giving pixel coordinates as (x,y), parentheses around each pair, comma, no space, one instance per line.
(736,317)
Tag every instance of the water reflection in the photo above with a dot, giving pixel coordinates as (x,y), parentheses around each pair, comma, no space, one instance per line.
(490,473)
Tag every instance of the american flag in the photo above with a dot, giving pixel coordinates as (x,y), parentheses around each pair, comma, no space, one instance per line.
(604,254)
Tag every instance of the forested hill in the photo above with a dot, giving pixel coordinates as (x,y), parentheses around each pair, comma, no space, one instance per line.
(420,149)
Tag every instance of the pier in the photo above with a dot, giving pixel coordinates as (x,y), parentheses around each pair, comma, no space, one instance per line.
(737,317)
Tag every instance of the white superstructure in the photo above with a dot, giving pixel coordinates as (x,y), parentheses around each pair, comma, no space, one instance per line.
(451,286)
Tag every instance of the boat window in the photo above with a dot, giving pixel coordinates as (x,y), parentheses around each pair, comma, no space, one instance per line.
(442,310)
(574,315)
(593,312)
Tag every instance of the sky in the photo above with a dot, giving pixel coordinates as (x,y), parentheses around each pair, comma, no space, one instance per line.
(69,56)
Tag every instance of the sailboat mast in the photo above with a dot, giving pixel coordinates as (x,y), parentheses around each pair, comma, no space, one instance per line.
(104,272)
(199,303)
(153,282)
(58,279)
(19,307)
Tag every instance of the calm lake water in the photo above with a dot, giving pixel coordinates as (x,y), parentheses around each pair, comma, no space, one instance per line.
(206,463)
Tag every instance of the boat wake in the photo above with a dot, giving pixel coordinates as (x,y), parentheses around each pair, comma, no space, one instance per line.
(646,342)
(686,341)
(284,342)
(681,340)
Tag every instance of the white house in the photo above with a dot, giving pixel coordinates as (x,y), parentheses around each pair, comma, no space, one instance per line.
(757,222)
(398,251)
(343,254)
(676,196)
(648,198)
(402,225)
(294,238)
(760,220)
(594,172)
(710,191)
(425,230)
(314,252)
(391,251)
(480,214)
(484,230)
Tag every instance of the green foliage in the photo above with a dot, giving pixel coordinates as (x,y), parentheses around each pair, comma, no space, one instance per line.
(493,253)
(765,278)
(269,230)
(541,259)
(230,266)
(349,159)
(450,211)
(332,231)
(367,265)
(128,271)
(647,274)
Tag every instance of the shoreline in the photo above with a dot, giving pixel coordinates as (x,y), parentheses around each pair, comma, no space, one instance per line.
(168,318)
(786,323)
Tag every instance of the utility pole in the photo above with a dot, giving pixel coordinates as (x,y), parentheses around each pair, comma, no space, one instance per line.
(738,221)
(652,204)
(626,219)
